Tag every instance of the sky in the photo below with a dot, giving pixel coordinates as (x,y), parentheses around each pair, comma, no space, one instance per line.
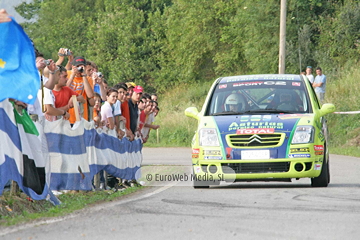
(9,5)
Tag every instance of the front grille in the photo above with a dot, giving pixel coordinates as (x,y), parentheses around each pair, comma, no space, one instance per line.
(263,167)
(255,140)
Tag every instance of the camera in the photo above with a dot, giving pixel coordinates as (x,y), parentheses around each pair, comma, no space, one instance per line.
(99,74)
(80,69)
(67,52)
(47,62)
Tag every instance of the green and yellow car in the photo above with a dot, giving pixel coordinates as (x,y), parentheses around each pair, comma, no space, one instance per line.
(267,127)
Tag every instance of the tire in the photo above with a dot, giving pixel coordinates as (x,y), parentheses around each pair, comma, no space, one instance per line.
(323,179)
(199,184)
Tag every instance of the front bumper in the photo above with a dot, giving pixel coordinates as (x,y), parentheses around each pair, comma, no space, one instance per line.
(260,169)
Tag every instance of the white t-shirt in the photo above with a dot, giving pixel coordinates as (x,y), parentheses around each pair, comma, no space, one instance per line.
(106,112)
(311,78)
(36,108)
(117,108)
(49,98)
(149,120)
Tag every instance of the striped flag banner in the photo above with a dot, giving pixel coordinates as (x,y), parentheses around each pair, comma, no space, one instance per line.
(57,157)
(78,153)
(23,153)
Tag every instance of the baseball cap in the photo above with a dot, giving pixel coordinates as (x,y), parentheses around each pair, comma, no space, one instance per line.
(309,67)
(130,84)
(138,89)
(79,61)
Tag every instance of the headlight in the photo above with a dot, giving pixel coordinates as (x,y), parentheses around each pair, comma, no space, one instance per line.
(303,134)
(208,137)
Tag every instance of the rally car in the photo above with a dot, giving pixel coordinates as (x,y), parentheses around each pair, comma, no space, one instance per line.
(267,127)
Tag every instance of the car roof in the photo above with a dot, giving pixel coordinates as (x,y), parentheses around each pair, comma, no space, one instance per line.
(265,77)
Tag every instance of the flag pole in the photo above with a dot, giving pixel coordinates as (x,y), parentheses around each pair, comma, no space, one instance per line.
(76,108)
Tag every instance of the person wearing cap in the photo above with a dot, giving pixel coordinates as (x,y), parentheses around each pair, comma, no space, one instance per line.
(78,81)
(309,74)
(131,86)
(133,108)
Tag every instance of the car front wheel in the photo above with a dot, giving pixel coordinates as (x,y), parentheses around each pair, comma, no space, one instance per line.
(324,178)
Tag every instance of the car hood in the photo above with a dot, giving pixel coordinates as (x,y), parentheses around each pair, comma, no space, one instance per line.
(280,122)
(255,124)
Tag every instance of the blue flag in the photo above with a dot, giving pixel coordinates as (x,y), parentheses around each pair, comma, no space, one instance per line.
(19,77)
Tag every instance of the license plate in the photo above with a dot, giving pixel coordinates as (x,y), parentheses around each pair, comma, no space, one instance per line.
(255,154)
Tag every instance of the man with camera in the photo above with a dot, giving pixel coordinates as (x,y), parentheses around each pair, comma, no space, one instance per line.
(97,79)
(47,77)
(62,53)
(78,81)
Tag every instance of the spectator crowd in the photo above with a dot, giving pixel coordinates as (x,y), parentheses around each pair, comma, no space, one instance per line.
(124,107)
(78,90)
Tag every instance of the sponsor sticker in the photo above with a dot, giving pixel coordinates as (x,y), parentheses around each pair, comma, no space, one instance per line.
(266,118)
(319,153)
(295,150)
(299,155)
(222,86)
(317,167)
(244,118)
(290,116)
(255,131)
(296,84)
(213,157)
(247,84)
(319,147)
(195,151)
(247,125)
(255,117)
(195,156)
(212,152)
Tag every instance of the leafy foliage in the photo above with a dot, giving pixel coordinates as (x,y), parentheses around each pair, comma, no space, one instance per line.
(162,43)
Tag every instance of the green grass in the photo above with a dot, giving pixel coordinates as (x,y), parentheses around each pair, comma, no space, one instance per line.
(23,210)
(343,91)
(177,130)
(348,151)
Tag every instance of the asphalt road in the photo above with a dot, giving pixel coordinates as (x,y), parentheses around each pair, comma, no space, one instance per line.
(239,211)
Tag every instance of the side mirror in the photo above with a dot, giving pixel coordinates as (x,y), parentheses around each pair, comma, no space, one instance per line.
(326,109)
(192,112)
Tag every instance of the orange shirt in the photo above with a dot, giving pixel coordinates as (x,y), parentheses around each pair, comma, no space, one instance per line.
(125,112)
(96,113)
(78,86)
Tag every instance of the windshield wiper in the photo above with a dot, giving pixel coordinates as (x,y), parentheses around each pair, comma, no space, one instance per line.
(268,111)
(227,113)
(251,111)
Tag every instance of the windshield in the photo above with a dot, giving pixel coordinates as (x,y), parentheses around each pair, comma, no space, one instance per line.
(259,96)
